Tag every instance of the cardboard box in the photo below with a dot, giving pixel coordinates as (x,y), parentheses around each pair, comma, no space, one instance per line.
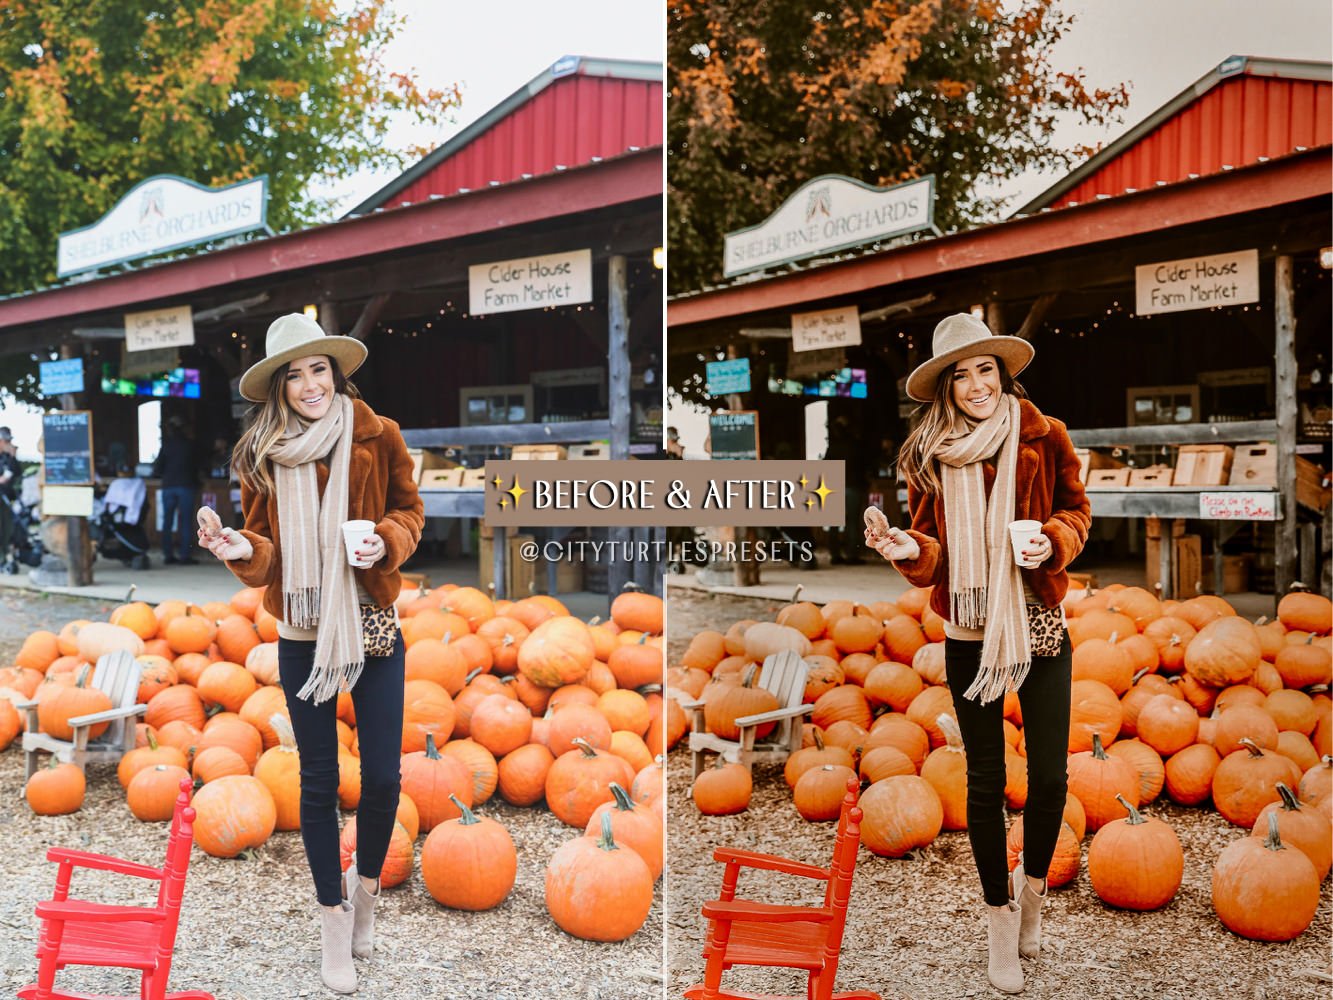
(1108,477)
(1090,461)
(423,460)
(1150,478)
(597,450)
(520,576)
(538,452)
(1204,465)
(440,479)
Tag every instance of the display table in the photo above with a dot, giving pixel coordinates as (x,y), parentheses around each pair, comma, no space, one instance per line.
(1225,507)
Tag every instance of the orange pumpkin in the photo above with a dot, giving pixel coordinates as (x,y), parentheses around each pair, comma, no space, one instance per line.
(559,651)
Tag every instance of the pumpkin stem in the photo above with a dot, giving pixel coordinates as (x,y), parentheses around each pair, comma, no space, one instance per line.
(1289,803)
(469,818)
(594,620)
(1140,675)
(1273,841)
(152,739)
(588,749)
(819,740)
(1135,817)
(281,726)
(642,639)
(1111,640)
(473,676)
(952,734)
(1251,746)
(81,678)
(1097,750)
(607,842)
(1261,620)
(623,802)
(750,677)
(631,587)
(431,752)
(795,594)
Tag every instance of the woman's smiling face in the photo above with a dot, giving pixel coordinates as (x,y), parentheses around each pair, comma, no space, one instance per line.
(309,386)
(976,386)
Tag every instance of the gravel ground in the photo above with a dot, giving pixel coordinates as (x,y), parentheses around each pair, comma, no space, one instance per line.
(249,928)
(916,926)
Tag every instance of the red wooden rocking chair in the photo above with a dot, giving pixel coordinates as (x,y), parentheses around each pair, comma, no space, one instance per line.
(75,932)
(742,932)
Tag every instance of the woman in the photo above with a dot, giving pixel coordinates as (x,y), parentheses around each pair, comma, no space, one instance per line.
(314,457)
(982,457)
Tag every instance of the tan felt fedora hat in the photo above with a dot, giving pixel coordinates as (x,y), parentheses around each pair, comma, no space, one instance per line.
(961,336)
(294,336)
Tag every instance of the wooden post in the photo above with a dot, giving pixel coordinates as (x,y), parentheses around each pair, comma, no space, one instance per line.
(79,566)
(995,317)
(744,571)
(619,570)
(1284,570)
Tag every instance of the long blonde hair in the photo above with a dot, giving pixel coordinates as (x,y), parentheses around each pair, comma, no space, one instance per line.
(935,422)
(268,422)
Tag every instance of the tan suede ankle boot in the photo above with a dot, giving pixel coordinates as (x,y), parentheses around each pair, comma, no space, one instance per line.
(1029,931)
(1006,975)
(363,928)
(335,938)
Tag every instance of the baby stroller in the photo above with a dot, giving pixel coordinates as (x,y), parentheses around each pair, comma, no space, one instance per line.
(24,545)
(118,523)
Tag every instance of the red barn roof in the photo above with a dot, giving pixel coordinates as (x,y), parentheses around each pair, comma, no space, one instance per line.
(578,111)
(1244,111)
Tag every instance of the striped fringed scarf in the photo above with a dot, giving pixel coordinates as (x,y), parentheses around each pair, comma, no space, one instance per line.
(318,588)
(985,586)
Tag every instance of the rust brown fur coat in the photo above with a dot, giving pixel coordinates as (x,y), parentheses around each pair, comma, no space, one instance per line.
(381,488)
(1046,489)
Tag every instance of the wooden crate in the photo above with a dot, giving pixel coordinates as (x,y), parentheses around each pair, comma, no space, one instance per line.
(538,452)
(424,460)
(520,576)
(473,479)
(1312,485)
(1235,573)
(439,479)
(1254,465)
(1187,565)
(1204,465)
(1108,477)
(1091,461)
(597,450)
(1150,478)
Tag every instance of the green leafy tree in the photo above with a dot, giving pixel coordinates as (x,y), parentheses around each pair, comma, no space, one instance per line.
(97,95)
(766,95)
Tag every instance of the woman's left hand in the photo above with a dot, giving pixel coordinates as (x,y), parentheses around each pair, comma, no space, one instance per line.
(1037,550)
(370,550)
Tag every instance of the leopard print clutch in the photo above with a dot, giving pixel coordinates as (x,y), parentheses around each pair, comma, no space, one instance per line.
(379,629)
(1046,629)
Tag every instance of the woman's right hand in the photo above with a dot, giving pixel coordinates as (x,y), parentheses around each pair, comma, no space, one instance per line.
(227,544)
(896,546)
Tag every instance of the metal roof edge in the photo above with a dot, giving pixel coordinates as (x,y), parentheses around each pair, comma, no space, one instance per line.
(1291,69)
(623,69)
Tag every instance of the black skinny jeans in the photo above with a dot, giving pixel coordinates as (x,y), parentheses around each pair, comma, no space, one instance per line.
(378,698)
(1044,697)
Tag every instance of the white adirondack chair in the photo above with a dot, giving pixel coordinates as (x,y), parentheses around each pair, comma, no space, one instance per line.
(116,674)
(784,675)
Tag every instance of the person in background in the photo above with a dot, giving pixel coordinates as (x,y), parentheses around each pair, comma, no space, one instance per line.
(177,469)
(11,474)
(674,449)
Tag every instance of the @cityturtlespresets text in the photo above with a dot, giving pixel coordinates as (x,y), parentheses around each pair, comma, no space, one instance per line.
(697,551)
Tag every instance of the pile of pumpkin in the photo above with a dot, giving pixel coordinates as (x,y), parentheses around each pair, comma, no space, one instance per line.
(516,698)
(1182,697)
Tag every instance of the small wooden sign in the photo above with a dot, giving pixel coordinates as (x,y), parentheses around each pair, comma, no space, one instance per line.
(1236,505)
(67,446)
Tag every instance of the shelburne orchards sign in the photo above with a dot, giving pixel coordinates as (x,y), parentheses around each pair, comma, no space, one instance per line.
(163,213)
(830,213)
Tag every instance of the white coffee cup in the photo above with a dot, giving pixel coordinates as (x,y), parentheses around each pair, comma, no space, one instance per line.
(1020,532)
(354,532)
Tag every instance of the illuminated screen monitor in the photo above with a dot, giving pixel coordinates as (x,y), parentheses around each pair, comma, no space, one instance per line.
(179,383)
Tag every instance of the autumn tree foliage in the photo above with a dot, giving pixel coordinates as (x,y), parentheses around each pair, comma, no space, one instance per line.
(97,95)
(767,94)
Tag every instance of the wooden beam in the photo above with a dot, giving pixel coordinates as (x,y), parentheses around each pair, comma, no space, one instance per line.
(619,570)
(1159,434)
(1285,394)
(1036,314)
(895,309)
(78,562)
(995,317)
(369,314)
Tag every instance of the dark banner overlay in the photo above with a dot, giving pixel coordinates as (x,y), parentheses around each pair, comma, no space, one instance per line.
(664,493)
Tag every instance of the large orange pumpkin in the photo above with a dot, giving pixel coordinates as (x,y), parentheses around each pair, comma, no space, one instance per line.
(559,651)
(233,814)
(469,863)
(1226,651)
(1306,612)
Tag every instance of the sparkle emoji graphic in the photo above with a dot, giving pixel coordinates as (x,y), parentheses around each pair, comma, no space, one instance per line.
(516,491)
(822,491)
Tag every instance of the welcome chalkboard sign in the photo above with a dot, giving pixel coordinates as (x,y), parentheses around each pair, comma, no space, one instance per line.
(735,435)
(67,440)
